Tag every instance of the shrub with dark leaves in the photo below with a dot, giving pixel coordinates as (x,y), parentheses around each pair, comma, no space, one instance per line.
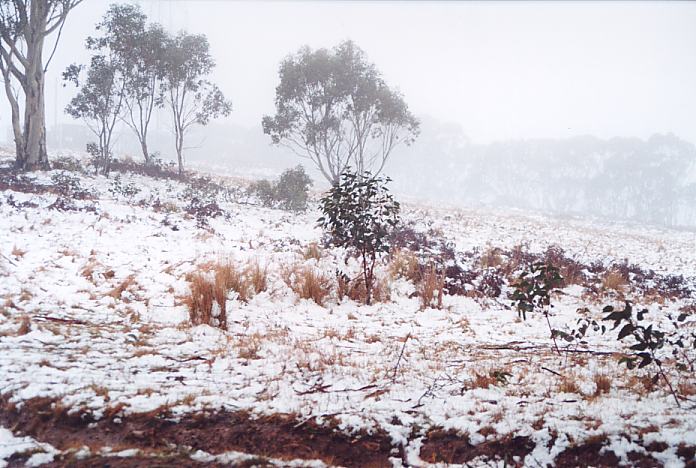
(203,210)
(68,185)
(125,189)
(646,341)
(359,213)
(290,192)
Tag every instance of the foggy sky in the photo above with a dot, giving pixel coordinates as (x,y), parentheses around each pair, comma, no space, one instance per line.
(500,70)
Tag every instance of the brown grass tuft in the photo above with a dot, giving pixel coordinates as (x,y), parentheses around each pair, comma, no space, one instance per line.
(24,326)
(430,289)
(307,282)
(312,251)
(257,276)
(614,281)
(229,278)
(17,252)
(602,384)
(404,264)
(356,291)
(123,286)
(568,384)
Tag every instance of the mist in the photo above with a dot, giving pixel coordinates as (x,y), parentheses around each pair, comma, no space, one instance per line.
(533,105)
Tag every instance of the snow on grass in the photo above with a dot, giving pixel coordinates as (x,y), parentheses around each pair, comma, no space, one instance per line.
(103,293)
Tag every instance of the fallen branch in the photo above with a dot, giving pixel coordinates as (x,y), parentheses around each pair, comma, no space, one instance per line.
(396,367)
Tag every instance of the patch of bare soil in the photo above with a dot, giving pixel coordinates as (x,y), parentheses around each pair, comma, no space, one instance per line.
(277,436)
(451,447)
(164,441)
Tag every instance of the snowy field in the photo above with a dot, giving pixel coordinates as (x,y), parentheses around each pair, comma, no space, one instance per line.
(94,323)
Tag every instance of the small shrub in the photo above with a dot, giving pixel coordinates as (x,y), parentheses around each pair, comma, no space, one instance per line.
(359,213)
(69,164)
(290,192)
(127,190)
(203,211)
(69,185)
(491,283)
(532,292)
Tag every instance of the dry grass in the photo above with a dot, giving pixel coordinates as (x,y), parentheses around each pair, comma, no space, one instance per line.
(307,282)
(17,252)
(257,276)
(207,302)
(24,326)
(431,288)
(614,281)
(356,291)
(249,346)
(686,389)
(491,258)
(312,251)
(569,384)
(602,384)
(122,286)
(229,278)
(404,264)
(483,380)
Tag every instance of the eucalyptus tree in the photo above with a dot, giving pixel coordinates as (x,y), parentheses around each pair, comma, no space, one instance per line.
(189,95)
(136,48)
(25,26)
(334,108)
(99,103)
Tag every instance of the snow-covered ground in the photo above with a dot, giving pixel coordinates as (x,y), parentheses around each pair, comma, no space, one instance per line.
(92,314)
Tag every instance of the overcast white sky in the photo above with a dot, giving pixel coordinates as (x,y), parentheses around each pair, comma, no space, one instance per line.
(501,70)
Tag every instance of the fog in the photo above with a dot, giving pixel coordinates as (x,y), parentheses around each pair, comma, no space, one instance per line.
(556,107)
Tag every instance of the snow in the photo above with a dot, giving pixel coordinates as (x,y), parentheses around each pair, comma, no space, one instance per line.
(96,348)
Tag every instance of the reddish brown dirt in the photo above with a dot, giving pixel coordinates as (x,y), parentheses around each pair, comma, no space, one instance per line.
(277,436)
(451,447)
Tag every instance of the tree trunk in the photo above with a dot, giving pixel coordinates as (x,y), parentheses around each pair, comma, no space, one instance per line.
(180,151)
(146,154)
(34,154)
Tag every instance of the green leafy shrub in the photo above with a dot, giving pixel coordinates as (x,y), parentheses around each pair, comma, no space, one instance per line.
(532,292)
(290,192)
(359,213)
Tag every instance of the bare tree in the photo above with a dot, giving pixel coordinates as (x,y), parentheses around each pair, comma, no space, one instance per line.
(333,108)
(24,27)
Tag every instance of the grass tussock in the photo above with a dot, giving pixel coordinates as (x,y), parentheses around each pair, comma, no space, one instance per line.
(211,285)
(431,288)
(602,384)
(355,289)
(614,280)
(404,264)
(307,282)
(312,251)
(257,276)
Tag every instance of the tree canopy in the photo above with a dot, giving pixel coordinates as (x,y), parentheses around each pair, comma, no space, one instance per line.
(333,107)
